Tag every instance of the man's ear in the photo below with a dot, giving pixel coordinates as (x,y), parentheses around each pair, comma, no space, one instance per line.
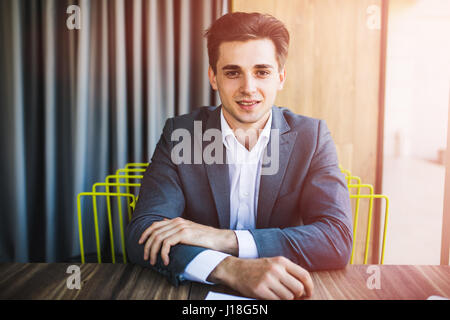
(282,75)
(212,78)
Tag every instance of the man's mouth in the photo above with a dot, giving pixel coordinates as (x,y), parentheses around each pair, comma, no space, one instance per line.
(248,104)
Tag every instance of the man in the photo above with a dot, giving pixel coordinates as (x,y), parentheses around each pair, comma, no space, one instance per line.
(231,222)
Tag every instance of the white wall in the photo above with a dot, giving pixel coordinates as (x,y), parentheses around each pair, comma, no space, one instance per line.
(417,78)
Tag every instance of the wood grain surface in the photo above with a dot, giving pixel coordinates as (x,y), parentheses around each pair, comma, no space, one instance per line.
(131,282)
(98,281)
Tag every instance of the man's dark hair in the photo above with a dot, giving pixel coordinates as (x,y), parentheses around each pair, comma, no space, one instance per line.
(242,26)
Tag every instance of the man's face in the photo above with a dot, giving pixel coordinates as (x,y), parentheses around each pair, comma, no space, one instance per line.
(247,80)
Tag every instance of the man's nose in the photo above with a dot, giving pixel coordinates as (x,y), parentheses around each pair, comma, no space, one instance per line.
(248,85)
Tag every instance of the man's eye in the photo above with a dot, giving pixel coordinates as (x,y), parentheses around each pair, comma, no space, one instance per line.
(232,74)
(263,73)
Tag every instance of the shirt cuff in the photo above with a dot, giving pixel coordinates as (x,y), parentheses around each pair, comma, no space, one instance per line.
(202,265)
(247,244)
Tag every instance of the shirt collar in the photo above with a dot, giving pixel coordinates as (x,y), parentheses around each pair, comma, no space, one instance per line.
(227,131)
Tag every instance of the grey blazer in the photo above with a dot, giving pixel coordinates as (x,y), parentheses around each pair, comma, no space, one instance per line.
(303,210)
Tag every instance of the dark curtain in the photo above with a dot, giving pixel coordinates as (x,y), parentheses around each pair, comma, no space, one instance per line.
(78,104)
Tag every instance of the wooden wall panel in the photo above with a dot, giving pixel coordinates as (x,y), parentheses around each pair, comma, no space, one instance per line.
(333,72)
(445,242)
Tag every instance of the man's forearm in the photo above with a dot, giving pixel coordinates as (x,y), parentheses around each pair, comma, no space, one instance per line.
(183,253)
(221,273)
(227,242)
(266,278)
(317,246)
(163,235)
(202,265)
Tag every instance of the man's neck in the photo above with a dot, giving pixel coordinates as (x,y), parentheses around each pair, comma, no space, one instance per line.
(247,134)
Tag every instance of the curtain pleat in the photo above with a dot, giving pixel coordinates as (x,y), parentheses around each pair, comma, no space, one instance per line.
(169,60)
(120,89)
(183,59)
(81,130)
(50,125)
(21,221)
(76,105)
(137,80)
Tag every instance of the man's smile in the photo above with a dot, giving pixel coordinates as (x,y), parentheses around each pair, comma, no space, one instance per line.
(248,104)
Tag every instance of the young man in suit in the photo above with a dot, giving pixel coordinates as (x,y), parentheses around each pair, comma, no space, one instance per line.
(233,222)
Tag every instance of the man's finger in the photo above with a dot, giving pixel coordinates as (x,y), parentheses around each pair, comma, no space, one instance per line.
(157,242)
(281,290)
(268,295)
(167,244)
(160,232)
(303,275)
(155,225)
(154,237)
(293,284)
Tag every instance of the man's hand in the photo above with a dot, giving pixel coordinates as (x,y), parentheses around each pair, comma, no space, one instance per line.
(265,278)
(166,233)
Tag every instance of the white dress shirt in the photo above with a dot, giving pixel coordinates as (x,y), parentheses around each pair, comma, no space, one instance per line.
(244,174)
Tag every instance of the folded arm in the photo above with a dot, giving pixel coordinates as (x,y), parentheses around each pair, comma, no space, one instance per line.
(160,197)
(324,241)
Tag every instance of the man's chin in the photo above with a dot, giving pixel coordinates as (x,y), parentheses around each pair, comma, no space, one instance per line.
(250,118)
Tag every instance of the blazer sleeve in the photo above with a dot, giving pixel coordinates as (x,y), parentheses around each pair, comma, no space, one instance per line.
(324,241)
(160,196)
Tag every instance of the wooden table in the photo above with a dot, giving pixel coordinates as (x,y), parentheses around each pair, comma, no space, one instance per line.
(127,281)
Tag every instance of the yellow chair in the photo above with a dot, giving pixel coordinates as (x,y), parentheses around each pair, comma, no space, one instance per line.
(371,196)
(130,172)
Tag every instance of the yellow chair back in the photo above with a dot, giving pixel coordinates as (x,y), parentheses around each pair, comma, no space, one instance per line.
(132,171)
(358,186)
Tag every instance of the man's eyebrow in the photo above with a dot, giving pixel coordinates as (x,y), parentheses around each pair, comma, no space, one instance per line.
(264,66)
(257,66)
(231,67)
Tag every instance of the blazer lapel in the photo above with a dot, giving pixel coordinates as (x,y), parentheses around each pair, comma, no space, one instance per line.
(218,176)
(270,184)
